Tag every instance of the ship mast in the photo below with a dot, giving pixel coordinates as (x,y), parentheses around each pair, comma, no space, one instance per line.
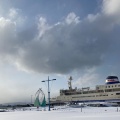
(70,83)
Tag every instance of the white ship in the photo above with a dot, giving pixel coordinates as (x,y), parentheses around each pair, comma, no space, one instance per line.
(110,92)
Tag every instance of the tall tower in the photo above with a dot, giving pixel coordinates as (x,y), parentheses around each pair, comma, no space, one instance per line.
(70,83)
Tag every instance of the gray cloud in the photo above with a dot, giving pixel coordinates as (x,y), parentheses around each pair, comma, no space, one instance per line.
(7,37)
(60,48)
(65,47)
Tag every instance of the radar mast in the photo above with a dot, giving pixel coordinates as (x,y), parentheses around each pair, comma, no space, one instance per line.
(70,83)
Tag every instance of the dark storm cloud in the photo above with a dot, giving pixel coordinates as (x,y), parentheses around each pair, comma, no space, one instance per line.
(67,46)
(62,47)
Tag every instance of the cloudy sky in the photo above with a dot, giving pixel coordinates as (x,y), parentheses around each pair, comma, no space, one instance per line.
(56,38)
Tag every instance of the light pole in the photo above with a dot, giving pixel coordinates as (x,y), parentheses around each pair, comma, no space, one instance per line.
(48,90)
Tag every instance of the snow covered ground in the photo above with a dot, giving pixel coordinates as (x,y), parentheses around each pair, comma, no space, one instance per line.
(63,113)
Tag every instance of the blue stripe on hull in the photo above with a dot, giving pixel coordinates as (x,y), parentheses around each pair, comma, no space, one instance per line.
(112,82)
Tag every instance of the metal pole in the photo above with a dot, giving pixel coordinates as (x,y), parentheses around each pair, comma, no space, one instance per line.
(31,99)
(81,107)
(48,94)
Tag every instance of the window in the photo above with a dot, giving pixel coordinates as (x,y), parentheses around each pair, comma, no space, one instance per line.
(97,87)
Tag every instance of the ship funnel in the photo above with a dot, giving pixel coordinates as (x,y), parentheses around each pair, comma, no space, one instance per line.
(112,80)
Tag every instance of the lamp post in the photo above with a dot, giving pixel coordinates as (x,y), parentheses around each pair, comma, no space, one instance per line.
(48,90)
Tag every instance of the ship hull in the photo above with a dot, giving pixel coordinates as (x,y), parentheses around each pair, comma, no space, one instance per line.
(90,98)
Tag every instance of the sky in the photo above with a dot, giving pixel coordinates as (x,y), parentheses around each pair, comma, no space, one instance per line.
(57,38)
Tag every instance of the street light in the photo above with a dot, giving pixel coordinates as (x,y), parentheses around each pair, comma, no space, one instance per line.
(48,90)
